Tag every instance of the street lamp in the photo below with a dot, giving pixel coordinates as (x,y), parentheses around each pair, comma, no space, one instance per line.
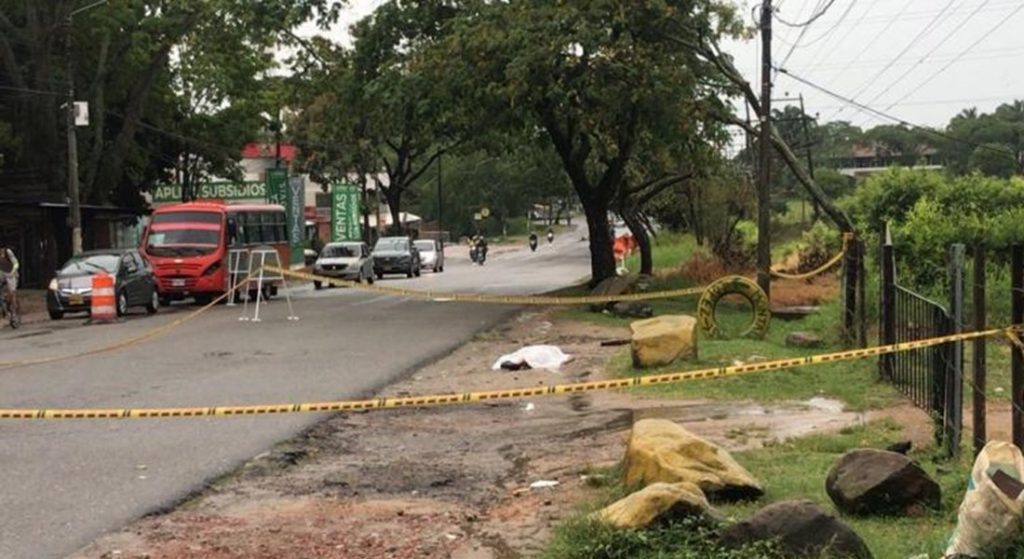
(74,206)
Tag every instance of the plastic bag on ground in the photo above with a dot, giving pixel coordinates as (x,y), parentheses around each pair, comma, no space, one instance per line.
(536,357)
(992,511)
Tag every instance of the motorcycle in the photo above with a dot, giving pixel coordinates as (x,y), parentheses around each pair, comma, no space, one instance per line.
(533,243)
(478,254)
(551,236)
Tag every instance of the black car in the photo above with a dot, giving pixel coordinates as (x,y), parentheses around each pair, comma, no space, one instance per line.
(134,284)
(396,255)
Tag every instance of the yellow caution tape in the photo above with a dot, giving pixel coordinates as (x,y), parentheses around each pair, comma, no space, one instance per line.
(489,298)
(158,331)
(847,237)
(490,395)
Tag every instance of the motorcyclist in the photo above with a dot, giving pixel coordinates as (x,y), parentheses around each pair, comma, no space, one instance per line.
(551,235)
(481,248)
(9,270)
(533,241)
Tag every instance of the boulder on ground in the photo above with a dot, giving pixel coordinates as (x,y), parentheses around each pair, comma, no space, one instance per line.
(661,451)
(632,310)
(803,339)
(615,285)
(871,481)
(802,528)
(656,503)
(663,339)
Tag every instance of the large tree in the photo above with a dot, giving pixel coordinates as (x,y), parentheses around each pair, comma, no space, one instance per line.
(166,82)
(598,78)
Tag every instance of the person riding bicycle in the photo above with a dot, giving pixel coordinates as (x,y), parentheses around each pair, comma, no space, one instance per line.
(9,271)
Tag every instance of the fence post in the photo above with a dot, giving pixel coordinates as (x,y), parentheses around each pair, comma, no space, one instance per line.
(862,299)
(955,366)
(887,302)
(1016,354)
(850,288)
(978,355)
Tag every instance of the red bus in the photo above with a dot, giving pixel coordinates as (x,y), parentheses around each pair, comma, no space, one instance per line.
(189,245)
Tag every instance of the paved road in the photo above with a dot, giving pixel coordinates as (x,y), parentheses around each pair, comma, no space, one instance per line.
(65,483)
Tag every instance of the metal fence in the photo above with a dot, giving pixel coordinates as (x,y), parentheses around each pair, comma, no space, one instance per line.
(932,378)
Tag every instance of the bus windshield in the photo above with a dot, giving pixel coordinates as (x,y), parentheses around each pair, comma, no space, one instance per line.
(183,242)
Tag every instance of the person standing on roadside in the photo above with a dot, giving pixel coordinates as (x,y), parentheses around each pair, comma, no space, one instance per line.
(9,271)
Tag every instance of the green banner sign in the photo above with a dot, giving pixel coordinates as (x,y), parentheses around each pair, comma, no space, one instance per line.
(295,206)
(345,213)
(276,189)
(221,190)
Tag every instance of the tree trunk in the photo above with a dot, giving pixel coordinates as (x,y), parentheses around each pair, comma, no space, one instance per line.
(394,198)
(636,227)
(602,258)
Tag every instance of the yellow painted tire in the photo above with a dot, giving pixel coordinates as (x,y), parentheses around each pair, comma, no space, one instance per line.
(738,285)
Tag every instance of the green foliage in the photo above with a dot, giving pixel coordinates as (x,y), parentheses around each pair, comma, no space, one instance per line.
(584,538)
(990,143)
(817,246)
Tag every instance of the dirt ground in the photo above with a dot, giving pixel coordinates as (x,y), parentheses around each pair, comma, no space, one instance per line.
(452,482)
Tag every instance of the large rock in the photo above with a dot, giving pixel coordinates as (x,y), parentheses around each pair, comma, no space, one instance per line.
(627,309)
(661,451)
(870,481)
(803,340)
(615,285)
(658,502)
(663,339)
(802,528)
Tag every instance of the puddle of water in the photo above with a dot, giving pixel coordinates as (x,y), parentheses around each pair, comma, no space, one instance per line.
(824,404)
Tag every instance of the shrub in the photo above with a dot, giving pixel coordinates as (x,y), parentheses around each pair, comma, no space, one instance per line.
(817,246)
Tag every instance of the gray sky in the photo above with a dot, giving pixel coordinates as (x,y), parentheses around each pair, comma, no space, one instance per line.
(919,60)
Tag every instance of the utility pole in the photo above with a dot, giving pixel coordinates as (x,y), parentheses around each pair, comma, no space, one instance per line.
(440,205)
(764,170)
(810,160)
(74,205)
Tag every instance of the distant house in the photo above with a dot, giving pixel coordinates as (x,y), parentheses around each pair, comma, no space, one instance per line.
(867,159)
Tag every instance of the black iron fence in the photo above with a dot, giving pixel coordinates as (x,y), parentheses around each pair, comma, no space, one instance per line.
(932,378)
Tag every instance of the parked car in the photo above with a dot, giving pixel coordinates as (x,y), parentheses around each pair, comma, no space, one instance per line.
(396,255)
(350,260)
(134,283)
(431,255)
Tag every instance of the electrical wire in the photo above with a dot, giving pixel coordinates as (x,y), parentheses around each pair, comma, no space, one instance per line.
(803,31)
(828,32)
(911,44)
(811,20)
(849,29)
(958,57)
(866,109)
(940,44)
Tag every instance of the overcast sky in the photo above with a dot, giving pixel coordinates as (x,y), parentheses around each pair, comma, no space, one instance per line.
(919,60)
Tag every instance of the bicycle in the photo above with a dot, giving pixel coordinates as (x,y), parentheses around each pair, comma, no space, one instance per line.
(7,311)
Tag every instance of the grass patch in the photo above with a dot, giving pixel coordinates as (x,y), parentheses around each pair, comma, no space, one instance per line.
(795,469)
(668,250)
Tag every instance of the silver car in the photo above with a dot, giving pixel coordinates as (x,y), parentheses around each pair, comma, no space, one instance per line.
(431,255)
(349,260)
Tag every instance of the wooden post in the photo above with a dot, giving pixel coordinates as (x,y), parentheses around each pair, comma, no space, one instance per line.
(978,381)
(862,298)
(1016,355)
(764,223)
(887,332)
(954,411)
(850,290)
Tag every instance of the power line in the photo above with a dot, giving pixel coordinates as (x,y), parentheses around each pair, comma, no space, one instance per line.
(935,48)
(811,20)
(800,37)
(961,55)
(849,29)
(864,108)
(907,48)
(871,42)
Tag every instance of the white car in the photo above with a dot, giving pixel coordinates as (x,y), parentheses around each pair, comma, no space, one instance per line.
(349,260)
(431,255)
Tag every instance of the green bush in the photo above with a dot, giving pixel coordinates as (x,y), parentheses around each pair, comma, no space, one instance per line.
(817,246)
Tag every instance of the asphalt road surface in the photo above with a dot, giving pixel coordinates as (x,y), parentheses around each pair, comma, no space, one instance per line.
(66,482)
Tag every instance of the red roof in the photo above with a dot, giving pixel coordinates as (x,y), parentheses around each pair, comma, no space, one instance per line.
(268,151)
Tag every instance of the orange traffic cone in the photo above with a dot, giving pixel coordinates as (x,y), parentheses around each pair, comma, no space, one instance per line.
(103,306)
